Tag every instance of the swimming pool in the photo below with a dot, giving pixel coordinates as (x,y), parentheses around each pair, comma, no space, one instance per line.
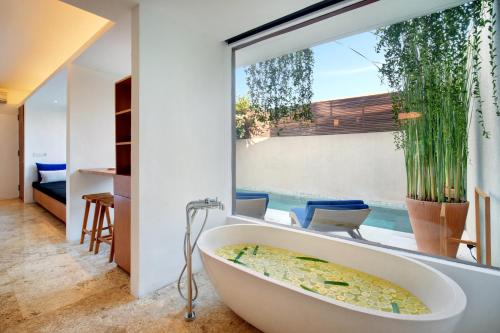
(380,217)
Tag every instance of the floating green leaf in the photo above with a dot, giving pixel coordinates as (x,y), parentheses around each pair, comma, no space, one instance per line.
(308,289)
(312,259)
(255,250)
(241,253)
(395,307)
(237,262)
(337,283)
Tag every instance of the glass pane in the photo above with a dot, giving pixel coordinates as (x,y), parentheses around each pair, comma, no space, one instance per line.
(367,137)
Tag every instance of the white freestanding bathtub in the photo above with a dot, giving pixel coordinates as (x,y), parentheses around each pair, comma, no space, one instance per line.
(273,306)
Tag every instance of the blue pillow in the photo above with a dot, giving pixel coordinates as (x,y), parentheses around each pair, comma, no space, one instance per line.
(50,167)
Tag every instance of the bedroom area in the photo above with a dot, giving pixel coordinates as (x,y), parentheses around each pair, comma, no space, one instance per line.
(43,171)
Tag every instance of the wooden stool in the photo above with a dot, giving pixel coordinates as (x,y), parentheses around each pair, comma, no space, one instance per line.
(92,199)
(106,204)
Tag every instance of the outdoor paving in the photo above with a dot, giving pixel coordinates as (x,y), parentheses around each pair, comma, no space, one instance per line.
(402,240)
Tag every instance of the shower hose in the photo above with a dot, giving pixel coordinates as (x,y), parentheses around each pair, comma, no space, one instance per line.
(186,251)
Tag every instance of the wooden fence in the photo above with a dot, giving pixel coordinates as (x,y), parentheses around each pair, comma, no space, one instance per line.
(362,114)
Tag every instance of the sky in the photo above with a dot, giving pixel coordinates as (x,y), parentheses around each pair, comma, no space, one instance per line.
(338,71)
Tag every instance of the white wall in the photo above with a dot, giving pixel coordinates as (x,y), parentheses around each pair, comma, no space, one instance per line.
(181,134)
(91,139)
(484,156)
(365,166)
(44,139)
(9,138)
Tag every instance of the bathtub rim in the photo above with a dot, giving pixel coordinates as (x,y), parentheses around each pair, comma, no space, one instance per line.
(460,301)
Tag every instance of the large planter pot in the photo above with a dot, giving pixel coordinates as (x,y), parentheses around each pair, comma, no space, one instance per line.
(425,219)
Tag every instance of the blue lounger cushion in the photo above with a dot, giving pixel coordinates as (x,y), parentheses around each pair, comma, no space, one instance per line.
(305,215)
(253,195)
(301,216)
(335,202)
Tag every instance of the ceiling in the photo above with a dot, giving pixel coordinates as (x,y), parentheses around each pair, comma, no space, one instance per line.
(225,19)
(37,38)
(43,34)
(369,17)
(112,52)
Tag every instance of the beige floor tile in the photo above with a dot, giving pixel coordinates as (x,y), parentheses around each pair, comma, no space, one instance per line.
(50,285)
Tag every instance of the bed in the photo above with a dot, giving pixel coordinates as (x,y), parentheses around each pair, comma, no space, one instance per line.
(51,195)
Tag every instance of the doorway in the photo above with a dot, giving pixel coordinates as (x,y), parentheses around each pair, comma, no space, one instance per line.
(20,152)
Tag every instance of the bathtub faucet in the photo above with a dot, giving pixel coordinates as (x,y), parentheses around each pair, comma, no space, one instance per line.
(205,204)
(192,209)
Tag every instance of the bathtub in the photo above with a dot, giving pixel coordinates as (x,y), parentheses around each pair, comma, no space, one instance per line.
(273,306)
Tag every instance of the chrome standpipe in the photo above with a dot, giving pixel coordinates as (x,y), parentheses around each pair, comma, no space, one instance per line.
(192,209)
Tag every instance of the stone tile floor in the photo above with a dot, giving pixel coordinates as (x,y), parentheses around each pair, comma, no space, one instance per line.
(50,285)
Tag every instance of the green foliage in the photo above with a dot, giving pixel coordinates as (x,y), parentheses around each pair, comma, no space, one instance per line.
(246,122)
(432,65)
(282,87)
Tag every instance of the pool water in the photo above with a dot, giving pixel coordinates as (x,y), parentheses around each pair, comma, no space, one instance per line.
(380,217)
(319,276)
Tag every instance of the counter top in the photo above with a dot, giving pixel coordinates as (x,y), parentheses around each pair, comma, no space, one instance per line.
(100,171)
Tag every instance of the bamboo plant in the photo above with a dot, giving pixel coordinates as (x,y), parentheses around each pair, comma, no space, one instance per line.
(432,64)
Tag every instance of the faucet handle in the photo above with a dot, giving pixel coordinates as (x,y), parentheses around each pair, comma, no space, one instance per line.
(215,203)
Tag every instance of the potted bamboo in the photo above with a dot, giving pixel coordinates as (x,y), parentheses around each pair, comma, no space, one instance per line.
(432,63)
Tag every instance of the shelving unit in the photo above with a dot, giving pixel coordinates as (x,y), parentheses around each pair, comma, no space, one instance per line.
(123,120)
(123,140)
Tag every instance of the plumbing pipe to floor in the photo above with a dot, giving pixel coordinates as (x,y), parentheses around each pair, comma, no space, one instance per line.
(192,209)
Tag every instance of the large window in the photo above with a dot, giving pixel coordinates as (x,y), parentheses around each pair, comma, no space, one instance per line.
(376,136)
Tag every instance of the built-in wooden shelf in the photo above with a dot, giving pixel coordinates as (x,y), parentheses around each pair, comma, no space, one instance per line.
(123,140)
(123,125)
(100,171)
(123,112)
(123,94)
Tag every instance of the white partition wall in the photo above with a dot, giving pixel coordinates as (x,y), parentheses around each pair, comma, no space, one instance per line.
(90,139)
(181,134)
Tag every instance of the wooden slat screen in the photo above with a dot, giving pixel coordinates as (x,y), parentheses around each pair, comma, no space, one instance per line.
(363,114)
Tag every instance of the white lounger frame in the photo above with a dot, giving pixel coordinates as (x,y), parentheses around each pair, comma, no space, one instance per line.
(251,207)
(335,220)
